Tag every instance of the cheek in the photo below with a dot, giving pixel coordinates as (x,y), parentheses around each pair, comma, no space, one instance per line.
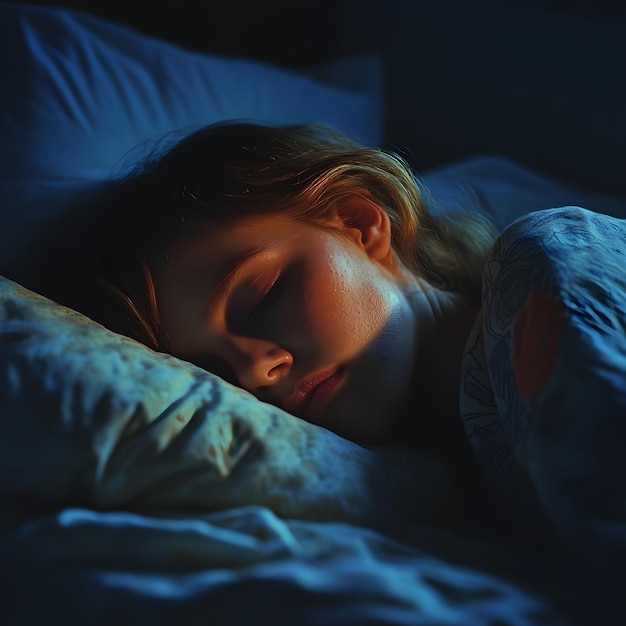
(379,387)
(181,306)
(346,303)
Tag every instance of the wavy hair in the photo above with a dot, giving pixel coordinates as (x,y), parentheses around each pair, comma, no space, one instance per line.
(226,172)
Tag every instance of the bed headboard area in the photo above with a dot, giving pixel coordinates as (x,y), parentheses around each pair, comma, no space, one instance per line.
(276,31)
(539,81)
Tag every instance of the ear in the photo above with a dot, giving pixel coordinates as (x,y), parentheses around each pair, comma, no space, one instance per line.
(368,224)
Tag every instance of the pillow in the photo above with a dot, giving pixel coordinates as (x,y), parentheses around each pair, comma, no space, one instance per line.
(81,92)
(508,190)
(93,419)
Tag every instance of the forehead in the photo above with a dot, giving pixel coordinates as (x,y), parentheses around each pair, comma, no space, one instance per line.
(217,243)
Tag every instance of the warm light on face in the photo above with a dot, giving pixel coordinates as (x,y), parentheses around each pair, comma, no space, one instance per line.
(298,315)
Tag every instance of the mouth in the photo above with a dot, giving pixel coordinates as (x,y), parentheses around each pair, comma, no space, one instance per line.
(313,394)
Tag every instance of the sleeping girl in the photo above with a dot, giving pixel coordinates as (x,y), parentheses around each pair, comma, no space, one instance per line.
(319,276)
(295,264)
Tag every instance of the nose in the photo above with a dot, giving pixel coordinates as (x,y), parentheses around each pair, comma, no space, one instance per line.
(259,364)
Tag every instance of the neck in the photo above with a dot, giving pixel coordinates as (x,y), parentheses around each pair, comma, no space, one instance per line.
(443,322)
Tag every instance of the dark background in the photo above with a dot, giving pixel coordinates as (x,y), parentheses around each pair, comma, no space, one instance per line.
(540,81)
(296,32)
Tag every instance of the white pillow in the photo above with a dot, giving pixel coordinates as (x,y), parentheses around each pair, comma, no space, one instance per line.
(78,93)
(90,418)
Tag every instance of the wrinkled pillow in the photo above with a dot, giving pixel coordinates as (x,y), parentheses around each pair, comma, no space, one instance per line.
(93,419)
(80,93)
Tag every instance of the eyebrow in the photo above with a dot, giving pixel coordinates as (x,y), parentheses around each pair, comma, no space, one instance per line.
(218,293)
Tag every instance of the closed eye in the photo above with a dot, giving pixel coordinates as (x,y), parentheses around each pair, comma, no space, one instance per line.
(270,296)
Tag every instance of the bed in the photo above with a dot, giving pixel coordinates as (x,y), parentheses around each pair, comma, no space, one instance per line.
(136,486)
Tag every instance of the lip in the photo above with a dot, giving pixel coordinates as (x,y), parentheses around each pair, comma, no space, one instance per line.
(313,393)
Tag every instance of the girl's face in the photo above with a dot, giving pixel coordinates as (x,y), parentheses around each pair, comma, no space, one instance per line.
(304,317)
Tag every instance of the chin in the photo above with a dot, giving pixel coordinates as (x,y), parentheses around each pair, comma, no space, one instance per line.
(366,427)
(370,418)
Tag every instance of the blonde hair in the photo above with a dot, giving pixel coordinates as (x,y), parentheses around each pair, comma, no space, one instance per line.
(229,171)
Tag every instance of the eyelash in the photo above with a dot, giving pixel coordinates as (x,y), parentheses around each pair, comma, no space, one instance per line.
(269,297)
